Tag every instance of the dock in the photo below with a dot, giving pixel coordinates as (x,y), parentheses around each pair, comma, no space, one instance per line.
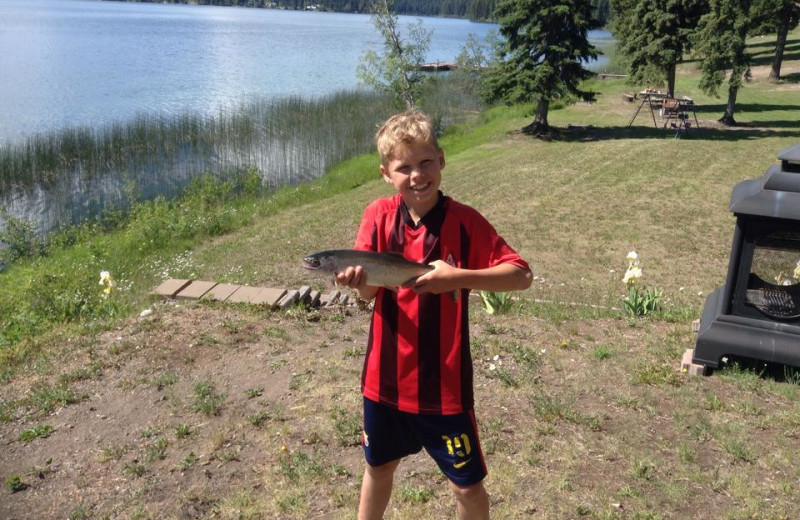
(438,66)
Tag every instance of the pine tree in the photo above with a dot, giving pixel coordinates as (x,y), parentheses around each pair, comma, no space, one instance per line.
(543,55)
(654,35)
(776,17)
(720,41)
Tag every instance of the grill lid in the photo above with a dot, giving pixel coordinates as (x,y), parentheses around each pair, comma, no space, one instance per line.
(776,194)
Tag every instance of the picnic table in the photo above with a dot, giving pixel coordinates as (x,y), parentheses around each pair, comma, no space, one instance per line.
(672,111)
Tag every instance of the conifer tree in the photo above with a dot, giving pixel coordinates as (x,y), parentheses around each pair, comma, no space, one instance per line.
(776,17)
(543,55)
(720,42)
(654,35)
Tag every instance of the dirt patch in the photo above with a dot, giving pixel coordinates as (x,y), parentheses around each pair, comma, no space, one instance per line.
(204,411)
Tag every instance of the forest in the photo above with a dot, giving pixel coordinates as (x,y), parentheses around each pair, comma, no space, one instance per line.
(476,10)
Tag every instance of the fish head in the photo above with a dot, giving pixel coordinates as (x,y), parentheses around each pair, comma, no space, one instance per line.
(319,261)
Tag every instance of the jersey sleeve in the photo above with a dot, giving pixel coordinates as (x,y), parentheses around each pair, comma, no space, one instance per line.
(366,239)
(492,248)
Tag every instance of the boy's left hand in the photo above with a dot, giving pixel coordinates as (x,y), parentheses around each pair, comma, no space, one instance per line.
(443,279)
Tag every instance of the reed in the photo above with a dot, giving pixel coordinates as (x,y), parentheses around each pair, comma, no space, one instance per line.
(66,177)
(58,179)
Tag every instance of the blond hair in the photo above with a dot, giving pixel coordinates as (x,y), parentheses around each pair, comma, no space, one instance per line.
(408,127)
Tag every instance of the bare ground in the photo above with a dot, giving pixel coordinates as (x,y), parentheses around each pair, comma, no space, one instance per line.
(578,417)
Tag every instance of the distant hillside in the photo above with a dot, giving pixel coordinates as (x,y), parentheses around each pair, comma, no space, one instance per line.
(478,10)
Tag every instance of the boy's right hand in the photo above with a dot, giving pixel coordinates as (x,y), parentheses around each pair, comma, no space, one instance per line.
(353,276)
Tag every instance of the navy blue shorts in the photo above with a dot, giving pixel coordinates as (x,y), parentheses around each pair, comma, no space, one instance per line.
(452,440)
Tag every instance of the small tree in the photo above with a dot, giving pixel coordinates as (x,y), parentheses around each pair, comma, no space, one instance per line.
(475,58)
(721,45)
(543,55)
(396,70)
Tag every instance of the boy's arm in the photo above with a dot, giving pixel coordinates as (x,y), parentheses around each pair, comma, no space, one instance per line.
(446,278)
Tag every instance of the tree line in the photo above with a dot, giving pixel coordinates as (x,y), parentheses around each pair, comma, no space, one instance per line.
(476,10)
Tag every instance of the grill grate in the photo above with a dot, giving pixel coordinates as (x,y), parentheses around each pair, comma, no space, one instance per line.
(776,301)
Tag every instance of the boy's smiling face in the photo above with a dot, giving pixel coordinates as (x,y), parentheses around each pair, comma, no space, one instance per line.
(415,170)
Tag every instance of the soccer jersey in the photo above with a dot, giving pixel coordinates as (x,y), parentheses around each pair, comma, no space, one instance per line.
(418,356)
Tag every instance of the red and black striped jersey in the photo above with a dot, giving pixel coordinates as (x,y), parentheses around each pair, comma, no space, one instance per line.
(418,355)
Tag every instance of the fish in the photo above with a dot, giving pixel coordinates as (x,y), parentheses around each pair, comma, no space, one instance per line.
(382,269)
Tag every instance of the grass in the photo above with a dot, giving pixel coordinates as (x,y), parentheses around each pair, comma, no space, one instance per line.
(585,413)
(207,400)
(37,432)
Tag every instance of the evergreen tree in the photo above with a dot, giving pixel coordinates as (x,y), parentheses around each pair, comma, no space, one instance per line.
(654,35)
(396,69)
(776,17)
(546,45)
(721,46)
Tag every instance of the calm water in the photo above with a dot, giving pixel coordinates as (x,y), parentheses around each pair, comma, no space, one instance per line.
(87,63)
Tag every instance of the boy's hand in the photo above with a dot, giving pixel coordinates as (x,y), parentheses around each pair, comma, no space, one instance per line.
(444,278)
(353,276)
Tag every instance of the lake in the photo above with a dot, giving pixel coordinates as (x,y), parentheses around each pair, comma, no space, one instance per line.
(66,63)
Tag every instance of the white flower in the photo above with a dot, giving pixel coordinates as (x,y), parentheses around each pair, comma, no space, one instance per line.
(632,274)
(632,257)
(107,281)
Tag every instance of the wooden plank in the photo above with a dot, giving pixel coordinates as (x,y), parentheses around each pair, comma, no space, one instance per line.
(303,293)
(243,294)
(268,296)
(195,290)
(221,291)
(288,299)
(171,287)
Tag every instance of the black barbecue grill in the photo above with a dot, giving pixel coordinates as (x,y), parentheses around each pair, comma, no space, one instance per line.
(756,314)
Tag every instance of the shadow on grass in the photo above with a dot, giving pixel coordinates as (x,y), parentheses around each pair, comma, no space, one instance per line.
(743,107)
(762,52)
(738,133)
(770,44)
(791,78)
(790,53)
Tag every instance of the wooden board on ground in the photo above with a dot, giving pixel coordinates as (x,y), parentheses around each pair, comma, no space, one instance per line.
(267,296)
(196,289)
(221,291)
(170,287)
(244,294)
(288,299)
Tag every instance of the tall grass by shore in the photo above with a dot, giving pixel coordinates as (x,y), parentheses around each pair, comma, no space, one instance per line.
(58,179)
(62,178)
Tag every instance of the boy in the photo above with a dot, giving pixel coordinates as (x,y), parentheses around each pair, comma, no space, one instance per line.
(417,379)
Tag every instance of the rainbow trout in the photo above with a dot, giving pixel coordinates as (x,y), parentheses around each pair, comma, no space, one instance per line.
(382,269)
